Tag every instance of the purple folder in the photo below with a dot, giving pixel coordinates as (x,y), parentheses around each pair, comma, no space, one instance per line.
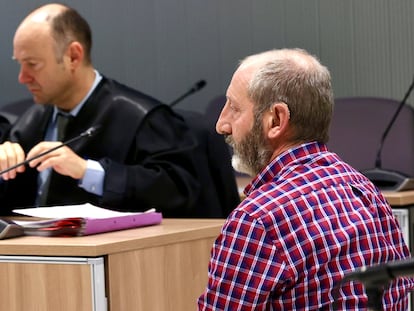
(80,226)
(98,225)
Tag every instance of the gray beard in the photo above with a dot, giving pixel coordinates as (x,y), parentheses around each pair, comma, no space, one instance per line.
(252,154)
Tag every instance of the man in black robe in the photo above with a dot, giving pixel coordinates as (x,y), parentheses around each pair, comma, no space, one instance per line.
(143,155)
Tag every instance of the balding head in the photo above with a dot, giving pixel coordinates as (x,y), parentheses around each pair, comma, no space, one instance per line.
(52,46)
(62,23)
(297,78)
(44,14)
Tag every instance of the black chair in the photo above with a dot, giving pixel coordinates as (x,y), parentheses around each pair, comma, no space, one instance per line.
(214,108)
(214,158)
(212,114)
(10,112)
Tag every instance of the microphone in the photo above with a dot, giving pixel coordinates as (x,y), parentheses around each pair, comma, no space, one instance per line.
(195,88)
(88,133)
(376,277)
(386,179)
(381,274)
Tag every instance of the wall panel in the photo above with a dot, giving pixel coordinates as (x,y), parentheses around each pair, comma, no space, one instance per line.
(163,46)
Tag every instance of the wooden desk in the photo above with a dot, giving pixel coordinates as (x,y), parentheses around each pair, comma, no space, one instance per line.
(401,198)
(161,267)
(402,204)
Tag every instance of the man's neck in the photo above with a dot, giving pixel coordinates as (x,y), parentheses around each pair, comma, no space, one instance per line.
(83,81)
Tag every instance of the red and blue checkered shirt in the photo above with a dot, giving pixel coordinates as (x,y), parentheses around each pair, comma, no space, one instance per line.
(307,220)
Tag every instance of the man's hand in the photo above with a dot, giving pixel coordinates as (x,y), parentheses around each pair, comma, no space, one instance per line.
(63,160)
(11,154)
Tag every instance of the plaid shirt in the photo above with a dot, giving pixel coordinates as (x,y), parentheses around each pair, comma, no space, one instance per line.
(307,220)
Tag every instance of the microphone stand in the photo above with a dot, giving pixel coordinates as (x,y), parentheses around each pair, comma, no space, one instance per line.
(375,278)
(374,298)
(388,179)
(374,295)
(198,86)
(374,291)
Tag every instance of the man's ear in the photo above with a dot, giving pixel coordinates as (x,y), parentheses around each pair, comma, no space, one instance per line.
(75,54)
(277,120)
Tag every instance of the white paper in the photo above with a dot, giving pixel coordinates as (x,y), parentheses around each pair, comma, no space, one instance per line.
(65,211)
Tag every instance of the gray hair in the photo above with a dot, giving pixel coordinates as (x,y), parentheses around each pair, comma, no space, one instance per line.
(299,80)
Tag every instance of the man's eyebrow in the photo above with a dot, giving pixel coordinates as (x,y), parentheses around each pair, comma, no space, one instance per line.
(28,58)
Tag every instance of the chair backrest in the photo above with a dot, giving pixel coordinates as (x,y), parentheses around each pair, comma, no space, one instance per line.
(358,125)
(12,111)
(212,114)
(214,108)
(213,156)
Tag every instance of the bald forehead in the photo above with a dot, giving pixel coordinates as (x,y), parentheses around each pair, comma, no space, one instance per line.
(44,14)
(34,29)
(38,22)
(253,63)
(32,37)
(261,59)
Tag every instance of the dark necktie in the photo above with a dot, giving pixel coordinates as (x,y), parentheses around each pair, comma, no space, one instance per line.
(61,123)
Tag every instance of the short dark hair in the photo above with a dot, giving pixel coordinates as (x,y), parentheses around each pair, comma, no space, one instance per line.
(69,26)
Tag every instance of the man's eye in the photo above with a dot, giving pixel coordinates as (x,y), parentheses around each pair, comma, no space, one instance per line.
(234,108)
(34,66)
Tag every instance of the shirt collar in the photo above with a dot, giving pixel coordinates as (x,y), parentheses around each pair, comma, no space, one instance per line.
(74,112)
(283,162)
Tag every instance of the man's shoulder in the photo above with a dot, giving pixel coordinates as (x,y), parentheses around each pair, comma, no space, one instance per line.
(124,99)
(121,92)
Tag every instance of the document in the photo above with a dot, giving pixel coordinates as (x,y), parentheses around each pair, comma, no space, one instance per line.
(83,219)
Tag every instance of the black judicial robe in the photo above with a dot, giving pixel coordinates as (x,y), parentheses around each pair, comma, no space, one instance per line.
(146,150)
(218,181)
